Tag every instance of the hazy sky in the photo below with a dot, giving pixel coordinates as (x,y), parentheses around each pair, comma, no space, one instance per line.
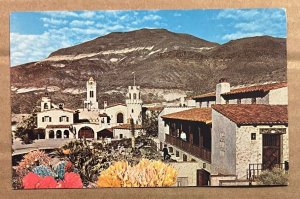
(34,35)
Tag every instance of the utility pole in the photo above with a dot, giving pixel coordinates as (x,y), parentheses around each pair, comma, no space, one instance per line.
(133,78)
(132,133)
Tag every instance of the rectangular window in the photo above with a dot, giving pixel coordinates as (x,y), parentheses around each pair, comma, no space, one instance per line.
(177,153)
(60,119)
(67,118)
(253,100)
(239,101)
(227,101)
(49,119)
(43,119)
(253,136)
(91,94)
(121,136)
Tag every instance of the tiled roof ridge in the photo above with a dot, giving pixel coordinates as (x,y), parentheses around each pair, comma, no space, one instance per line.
(220,108)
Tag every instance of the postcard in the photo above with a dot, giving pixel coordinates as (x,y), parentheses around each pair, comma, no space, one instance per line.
(149,98)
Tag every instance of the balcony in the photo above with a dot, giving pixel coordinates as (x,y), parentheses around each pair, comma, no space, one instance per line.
(199,152)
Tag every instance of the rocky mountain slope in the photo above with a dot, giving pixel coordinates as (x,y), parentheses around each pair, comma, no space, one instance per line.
(166,65)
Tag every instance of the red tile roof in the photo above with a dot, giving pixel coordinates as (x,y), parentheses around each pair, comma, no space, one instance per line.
(58,109)
(57,126)
(195,115)
(254,114)
(262,88)
(206,95)
(246,89)
(127,126)
(155,108)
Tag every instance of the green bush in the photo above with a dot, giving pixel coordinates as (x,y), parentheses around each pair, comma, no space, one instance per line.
(275,176)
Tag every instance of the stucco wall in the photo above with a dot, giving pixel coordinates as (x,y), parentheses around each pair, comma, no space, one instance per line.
(54,114)
(187,170)
(279,96)
(126,133)
(223,144)
(114,110)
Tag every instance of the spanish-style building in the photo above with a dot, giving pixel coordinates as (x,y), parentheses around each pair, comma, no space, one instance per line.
(113,121)
(232,134)
(269,93)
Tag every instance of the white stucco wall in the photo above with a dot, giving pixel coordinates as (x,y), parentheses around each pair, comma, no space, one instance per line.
(126,133)
(223,144)
(187,170)
(114,110)
(278,96)
(54,114)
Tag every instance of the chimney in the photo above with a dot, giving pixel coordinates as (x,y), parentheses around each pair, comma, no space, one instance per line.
(222,87)
(181,101)
(105,104)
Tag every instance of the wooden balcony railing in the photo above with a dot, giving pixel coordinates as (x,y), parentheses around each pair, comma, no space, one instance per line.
(199,152)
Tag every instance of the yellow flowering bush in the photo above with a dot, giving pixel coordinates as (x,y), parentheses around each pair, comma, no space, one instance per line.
(147,173)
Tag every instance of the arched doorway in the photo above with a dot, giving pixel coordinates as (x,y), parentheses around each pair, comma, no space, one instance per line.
(58,134)
(66,134)
(51,134)
(120,118)
(86,132)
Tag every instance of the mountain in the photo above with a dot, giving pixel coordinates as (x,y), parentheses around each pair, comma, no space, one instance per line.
(166,65)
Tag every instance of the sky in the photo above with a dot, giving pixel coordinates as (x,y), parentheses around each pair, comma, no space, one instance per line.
(34,35)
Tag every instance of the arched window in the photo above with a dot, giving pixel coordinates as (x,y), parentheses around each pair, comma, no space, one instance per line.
(46,106)
(134,95)
(132,111)
(66,134)
(58,134)
(120,118)
(51,134)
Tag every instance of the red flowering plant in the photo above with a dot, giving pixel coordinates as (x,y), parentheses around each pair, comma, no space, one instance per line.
(34,181)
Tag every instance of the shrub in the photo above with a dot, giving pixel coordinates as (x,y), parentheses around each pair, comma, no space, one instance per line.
(275,176)
(147,173)
(31,160)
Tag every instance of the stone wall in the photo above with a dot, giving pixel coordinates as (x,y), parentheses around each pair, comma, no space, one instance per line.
(251,151)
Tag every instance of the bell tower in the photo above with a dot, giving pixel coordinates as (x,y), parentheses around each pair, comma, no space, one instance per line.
(91,102)
(46,102)
(134,103)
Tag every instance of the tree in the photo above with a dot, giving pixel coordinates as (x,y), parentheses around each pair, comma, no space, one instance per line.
(25,129)
(150,123)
